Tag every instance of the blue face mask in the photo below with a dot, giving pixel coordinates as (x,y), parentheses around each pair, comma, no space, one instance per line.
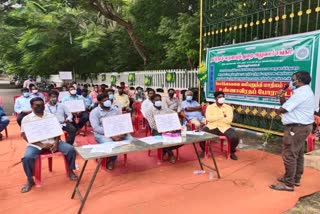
(107,103)
(111,96)
(139,91)
(291,85)
(189,98)
(26,94)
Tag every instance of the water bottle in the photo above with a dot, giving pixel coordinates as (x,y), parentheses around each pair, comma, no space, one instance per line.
(240,144)
(183,131)
(198,172)
(211,176)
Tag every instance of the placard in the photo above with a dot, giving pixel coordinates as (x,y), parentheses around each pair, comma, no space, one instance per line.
(117,125)
(167,122)
(42,129)
(63,94)
(65,75)
(75,105)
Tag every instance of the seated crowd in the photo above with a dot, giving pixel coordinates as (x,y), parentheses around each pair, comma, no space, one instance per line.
(102,101)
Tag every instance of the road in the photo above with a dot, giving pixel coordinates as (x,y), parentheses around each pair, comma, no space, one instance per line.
(7,95)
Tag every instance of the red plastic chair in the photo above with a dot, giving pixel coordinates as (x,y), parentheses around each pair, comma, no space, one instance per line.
(104,161)
(222,139)
(139,120)
(38,165)
(311,139)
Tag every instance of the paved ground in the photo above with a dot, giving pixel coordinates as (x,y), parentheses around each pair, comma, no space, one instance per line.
(7,98)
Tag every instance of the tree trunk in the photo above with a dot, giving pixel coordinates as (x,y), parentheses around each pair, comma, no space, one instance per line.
(107,10)
(190,63)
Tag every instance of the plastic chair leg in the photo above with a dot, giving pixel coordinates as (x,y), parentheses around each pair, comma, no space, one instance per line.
(50,164)
(125,157)
(159,152)
(37,172)
(6,131)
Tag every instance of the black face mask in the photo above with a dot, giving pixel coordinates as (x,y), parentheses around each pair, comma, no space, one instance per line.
(39,109)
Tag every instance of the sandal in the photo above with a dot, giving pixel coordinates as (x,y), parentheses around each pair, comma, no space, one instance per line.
(281,187)
(27,187)
(73,177)
(297,184)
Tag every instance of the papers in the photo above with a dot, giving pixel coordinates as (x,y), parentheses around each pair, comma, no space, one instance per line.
(105,147)
(195,133)
(151,140)
(63,94)
(117,125)
(75,105)
(43,129)
(65,75)
(167,122)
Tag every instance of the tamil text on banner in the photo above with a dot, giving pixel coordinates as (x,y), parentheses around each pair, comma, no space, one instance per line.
(252,73)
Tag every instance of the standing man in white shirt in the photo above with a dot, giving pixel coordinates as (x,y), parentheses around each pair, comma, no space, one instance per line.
(298,120)
(146,104)
(63,114)
(35,149)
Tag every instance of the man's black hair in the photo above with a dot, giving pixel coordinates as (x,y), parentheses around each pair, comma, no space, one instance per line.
(217,93)
(53,92)
(303,77)
(35,99)
(102,96)
(155,96)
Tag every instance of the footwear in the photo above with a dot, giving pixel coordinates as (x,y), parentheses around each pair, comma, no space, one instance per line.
(202,154)
(172,158)
(27,187)
(73,176)
(233,156)
(110,165)
(297,184)
(281,187)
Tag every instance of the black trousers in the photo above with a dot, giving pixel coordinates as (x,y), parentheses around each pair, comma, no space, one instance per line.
(167,149)
(72,131)
(20,117)
(230,134)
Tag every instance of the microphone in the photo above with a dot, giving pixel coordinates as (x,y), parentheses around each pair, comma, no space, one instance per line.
(285,87)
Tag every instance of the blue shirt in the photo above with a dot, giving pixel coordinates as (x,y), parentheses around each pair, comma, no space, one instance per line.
(300,106)
(60,111)
(96,116)
(22,104)
(191,114)
(88,100)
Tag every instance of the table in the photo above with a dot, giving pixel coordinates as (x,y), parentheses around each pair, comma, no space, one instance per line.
(135,146)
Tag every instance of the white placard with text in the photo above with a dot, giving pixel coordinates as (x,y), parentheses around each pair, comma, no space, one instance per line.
(65,75)
(167,122)
(42,129)
(75,105)
(117,125)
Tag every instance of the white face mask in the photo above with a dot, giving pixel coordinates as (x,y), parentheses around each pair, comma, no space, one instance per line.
(35,91)
(73,92)
(221,100)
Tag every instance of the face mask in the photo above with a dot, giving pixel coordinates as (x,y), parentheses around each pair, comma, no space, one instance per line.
(111,96)
(96,90)
(53,100)
(189,98)
(64,89)
(114,88)
(35,91)
(73,92)
(26,94)
(107,103)
(121,92)
(291,85)
(158,104)
(221,100)
(139,91)
(39,109)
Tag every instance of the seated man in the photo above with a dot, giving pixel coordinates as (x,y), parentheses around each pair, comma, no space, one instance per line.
(35,149)
(192,111)
(123,99)
(35,93)
(146,104)
(172,102)
(22,105)
(4,121)
(149,115)
(139,96)
(63,114)
(219,117)
(83,116)
(115,103)
(87,99)
(105,109)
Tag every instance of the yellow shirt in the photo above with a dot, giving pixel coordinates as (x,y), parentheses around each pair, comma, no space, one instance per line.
(122,99)
(216,119)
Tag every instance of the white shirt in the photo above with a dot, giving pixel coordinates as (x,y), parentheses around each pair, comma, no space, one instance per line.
(60,111)
(146,104)
(300,107)
(33,117)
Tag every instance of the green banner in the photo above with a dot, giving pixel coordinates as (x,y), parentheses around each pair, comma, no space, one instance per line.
(252,73)
(170,77)
(113,79)
(132,77)
(103,77)
(147,80)
(202,73)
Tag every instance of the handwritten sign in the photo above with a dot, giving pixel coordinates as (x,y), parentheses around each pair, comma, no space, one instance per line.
(63,94)
(65,75)
(43,129)
(117,125)
(167,122)
(75,105)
